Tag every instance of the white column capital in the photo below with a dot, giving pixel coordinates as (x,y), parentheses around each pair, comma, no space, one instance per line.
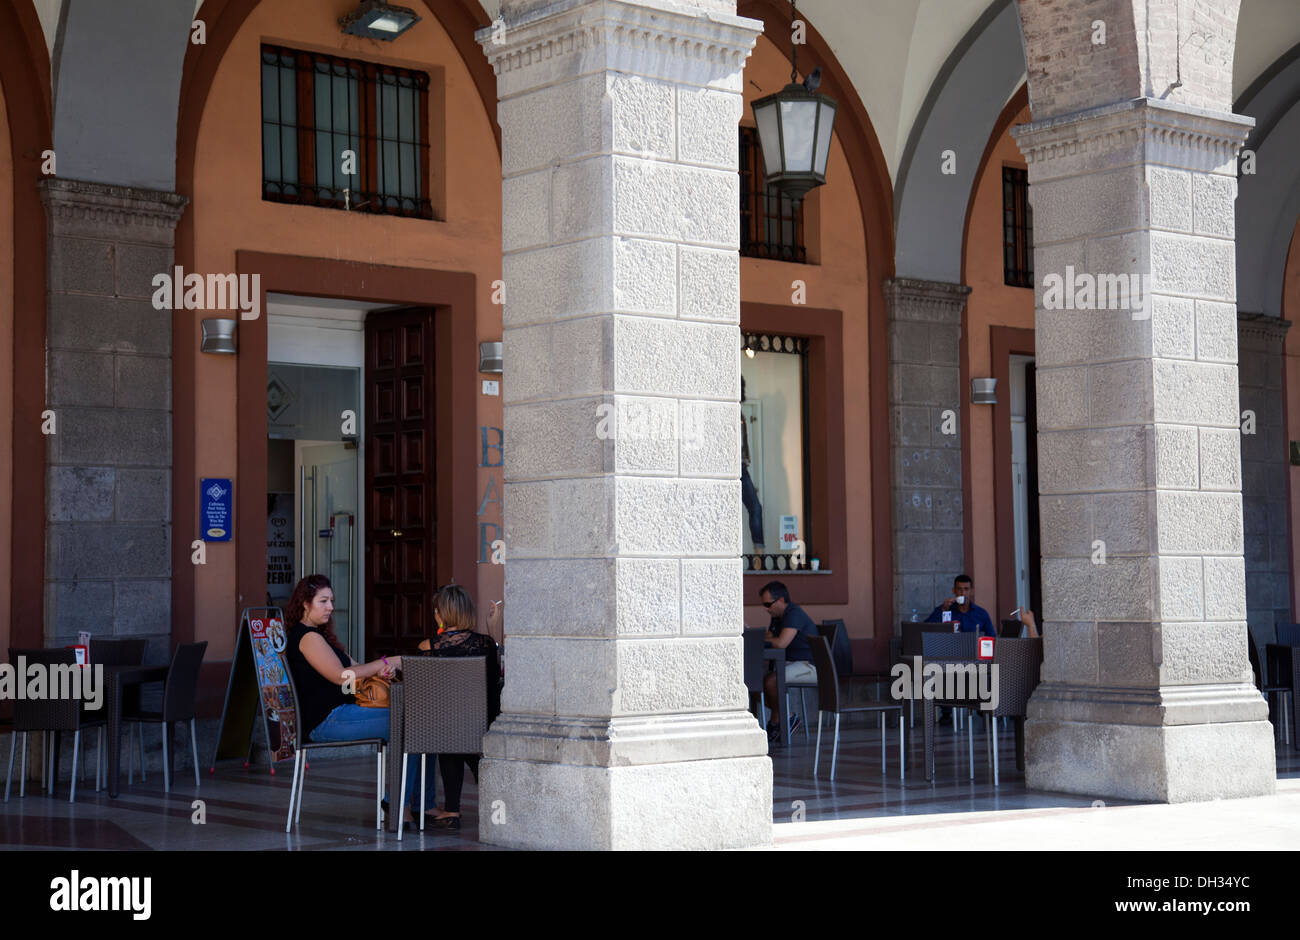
(1141,130)
(680,42)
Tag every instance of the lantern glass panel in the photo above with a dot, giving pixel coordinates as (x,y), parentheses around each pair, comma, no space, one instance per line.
(797,118)
(824,136)
(769,134)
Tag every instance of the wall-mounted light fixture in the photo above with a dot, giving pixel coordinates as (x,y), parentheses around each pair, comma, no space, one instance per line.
(983,391)
(376,20)
(490,358)
(219,337)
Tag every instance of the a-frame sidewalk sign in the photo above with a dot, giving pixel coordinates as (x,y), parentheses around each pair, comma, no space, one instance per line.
(259,685)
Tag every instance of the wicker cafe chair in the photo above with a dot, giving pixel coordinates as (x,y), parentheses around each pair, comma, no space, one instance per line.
(49,715)
(301,746)
(754,663)
(828,691)
(911,647)
(1019,662)
(445,710)
(943,647)
(180,690)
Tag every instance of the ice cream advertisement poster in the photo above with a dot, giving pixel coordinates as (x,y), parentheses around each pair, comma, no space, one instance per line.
(273,684)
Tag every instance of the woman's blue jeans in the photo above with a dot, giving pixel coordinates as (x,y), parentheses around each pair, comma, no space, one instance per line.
(352,722)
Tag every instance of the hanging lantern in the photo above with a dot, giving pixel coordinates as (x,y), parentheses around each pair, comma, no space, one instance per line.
(794,130)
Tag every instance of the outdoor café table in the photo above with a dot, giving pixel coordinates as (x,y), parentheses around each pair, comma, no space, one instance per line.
(118,678)
(393,760)
(772,653)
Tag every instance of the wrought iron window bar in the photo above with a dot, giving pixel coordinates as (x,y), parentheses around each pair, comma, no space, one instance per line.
(764,212)
(365,111)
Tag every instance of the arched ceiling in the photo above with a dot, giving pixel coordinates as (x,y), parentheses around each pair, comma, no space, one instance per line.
(894,49)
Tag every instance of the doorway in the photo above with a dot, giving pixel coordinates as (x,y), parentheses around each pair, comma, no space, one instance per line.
(314,426)
(1024,481)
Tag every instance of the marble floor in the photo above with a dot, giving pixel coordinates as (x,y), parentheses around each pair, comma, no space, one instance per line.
(862,809)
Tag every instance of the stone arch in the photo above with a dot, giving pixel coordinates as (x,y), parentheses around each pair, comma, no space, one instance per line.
(1268,201)
(232,24)
(128,137)
(980,76)
(875,197)
(25,84)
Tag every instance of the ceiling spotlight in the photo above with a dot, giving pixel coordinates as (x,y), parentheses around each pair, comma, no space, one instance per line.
(376,20)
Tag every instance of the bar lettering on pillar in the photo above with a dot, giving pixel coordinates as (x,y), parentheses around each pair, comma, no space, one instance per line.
(624,721)
(1147,691)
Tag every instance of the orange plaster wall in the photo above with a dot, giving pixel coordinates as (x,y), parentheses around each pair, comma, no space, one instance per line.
(836,239)
(229,215)
(1291,311)
(991,303)
(6,366)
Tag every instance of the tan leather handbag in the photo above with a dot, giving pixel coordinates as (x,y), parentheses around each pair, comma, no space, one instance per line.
(372,692)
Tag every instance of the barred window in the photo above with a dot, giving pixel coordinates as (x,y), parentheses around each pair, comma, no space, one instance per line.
(770,226)
(1017,229)
(317,109)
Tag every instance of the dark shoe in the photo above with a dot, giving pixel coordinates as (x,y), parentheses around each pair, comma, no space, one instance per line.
(451,823)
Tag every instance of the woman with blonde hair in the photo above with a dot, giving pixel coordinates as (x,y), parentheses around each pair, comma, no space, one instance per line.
(453,609)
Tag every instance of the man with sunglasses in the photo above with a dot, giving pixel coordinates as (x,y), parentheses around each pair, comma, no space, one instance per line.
(789,630)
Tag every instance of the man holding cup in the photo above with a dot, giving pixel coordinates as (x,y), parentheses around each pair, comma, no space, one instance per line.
(961,610)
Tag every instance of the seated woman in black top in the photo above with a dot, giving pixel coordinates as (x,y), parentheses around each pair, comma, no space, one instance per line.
(317,661)
(454,611)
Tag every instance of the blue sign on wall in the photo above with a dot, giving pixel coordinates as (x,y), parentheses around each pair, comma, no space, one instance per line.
(215,501)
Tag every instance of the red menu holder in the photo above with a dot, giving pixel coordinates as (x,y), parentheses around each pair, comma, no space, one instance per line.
(83,653)
(986,647)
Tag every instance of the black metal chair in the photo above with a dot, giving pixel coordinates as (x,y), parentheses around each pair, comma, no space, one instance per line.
(179,693)
(837,634)
(121,652)
(1283,668)
(1270,687)
(828,692)
(302,746)
(50,715)
(445,705)
(754,667)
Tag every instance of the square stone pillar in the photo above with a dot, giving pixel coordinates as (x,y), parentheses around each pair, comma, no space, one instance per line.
(925,440)
(1147,691)
(624,721)
(109,371)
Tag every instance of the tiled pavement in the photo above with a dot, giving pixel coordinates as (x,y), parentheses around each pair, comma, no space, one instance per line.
(862,809)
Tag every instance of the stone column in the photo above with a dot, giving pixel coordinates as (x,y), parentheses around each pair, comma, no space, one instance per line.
(109,367)
(1147,691)
(925,440)
(1264,465)
(624,722)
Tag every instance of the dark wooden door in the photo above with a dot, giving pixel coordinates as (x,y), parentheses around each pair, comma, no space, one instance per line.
(400,523)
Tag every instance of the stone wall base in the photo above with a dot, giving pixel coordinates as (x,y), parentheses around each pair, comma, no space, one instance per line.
(1168,764)
(703,804)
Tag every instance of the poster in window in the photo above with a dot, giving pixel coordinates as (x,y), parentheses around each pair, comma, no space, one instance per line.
(279,545)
